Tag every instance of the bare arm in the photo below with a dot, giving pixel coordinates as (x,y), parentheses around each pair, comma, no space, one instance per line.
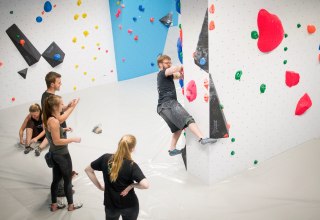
(71,106)
(54,127)
(23,127)
(93,178)
(35,139)
(176,71)
(143,184)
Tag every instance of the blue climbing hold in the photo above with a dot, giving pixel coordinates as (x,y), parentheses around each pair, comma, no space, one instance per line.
(178,6)
(202,61)
(39,19)
(141,8)
(134,19)
(181,83)
(47,6)
(57,57)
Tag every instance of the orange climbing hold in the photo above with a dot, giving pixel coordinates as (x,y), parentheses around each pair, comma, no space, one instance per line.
(206,97)
(211,26)
(206,83)
(311,29)
(211,9)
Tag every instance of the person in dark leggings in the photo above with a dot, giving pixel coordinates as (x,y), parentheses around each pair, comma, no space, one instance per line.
(121,175)
(59,148)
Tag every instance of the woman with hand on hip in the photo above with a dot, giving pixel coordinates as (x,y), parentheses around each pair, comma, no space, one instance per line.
(121,175)
(62,167)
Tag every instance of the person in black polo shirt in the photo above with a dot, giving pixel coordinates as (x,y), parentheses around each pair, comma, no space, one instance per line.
(121,175)
(170,109)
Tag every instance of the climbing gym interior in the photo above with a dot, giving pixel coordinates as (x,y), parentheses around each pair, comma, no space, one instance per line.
(251,81)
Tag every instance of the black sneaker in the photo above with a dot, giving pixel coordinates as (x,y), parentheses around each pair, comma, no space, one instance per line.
(27,150)
(37,152)
(174,152)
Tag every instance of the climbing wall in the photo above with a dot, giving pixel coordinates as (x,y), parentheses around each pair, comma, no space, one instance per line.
(140,31)
(73,38)
(264,61)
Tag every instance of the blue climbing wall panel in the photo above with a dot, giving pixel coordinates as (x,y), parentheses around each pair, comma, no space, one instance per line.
(137,40)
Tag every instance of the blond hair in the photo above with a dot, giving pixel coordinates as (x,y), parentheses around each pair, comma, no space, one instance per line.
(162,58)
(125,147)
(35,108)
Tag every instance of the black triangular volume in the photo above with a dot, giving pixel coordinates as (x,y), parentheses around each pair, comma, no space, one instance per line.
(23,72)
(25,47)
(53,55)
(166,20)
(201,55)
(218,125)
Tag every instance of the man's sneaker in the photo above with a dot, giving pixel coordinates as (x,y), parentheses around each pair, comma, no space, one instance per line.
(204,141)
(174,152)
(37,152)
(27,150)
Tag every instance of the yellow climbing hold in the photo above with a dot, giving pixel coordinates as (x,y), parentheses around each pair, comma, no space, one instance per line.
(74,40)
(75,17)
(94,58)
(84,15)
(98,44)
(76,66)
(79,2)
(93,79)
(118,2)
(74,88)
(82,47)
(85,73)
(86,33)
(96,27)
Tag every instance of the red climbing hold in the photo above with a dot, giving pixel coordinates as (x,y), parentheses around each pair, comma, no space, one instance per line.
(129,31)
(211,25)
(211,9)
(311,29)
(292,78)
(271,32)
(205,83)
(191,91)
(152,19)
(303,105)
(206,97)
(136,37)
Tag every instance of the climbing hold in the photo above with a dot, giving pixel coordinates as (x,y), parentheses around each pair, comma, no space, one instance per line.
(141,8)
(181,82)
(254,35)
(123,6)
(11,12)
(107,51)
(39,19)
(233,140)
(118,13)
(94,58)
(178,6)
(76,66)
(255,162)
(191,91)
(47,6)
(221,106)
(93,79)
(98,44)
(270,31)
(129,31)
(152,64)
(211,26)
(303,105)
(74,88)
(123,60)
(97,129)
(74,39)
(202,61)
(23,73)
(285,62)
(84,15)
(311,29)
(75,17)
(285,35)
(206,97)
(211,9)
(238,75)
(206,83)
(292,78)
(79,2)
(86,33)
(22,42)
(13,99)
(263,88)
(152,19)
(166,20)
(136,37)
(82,47)
(285,48)
(85,73)
(232,153)
(298,25)
(228,126)
(134,19)
(57,57)
(120,26)
(96,27)
(1,63)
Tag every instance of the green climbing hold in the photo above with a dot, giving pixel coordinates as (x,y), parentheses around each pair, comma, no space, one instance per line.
(18,35)
(255,162)
(221,106)
(254,35)
(232,153)
(285,35)
(238,75)
(298,25)
(179,26)
(233,139)
(285,49)
(285,62)
(263,88)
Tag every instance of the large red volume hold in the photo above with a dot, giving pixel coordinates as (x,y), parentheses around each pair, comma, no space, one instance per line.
(271,31)
(303,105)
